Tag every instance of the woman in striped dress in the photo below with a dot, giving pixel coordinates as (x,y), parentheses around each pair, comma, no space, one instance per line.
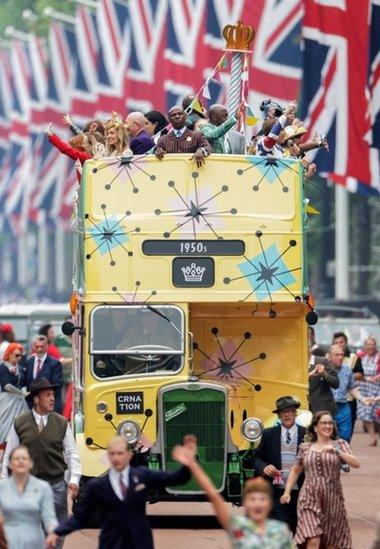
(322,517)
(369,388)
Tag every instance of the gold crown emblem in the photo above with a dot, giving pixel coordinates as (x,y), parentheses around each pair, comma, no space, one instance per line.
(238,37)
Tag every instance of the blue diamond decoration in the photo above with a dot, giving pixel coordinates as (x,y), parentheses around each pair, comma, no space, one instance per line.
(271,167)
(268,267)
(108,235)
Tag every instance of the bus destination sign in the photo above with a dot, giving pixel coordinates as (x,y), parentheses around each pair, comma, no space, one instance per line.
(193,247)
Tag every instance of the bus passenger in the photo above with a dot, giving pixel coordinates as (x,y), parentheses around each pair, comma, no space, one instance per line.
(219,133)
(182,140)
(268,145)
(117,139)
(141,140)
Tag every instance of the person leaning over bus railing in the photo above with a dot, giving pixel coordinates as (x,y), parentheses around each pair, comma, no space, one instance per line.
(219,133)
(252,529)
(272,127)
(182,140)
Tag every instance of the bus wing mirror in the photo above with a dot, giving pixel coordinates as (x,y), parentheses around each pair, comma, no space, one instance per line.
(68,328)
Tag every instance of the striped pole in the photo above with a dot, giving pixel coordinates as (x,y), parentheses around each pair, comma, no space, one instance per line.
(234,94)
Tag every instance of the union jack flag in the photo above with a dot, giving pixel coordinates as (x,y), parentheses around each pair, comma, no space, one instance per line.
(335,78)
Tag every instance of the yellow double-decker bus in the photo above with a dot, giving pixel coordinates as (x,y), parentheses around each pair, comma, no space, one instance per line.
(190,309)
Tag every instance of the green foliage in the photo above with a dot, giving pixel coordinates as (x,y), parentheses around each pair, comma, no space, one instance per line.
(11,13)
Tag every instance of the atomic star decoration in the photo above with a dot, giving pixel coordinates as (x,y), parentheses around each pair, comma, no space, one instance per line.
(108,235)
(270,169)
(227,362)
(194,212)
(267,272)
(123,169)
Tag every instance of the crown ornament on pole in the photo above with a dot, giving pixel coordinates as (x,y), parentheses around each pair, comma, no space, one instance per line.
(238,37)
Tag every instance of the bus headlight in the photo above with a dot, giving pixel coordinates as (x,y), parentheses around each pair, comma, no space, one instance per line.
(101,407)
(130,430)
(251,429)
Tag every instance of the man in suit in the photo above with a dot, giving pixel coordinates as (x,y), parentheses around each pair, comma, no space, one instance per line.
(141,141)
(237,142)
(322,378)
(276,455)
(182,140)
(43,365)
(121,497)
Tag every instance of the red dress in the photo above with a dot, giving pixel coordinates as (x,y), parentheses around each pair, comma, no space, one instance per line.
(320,508)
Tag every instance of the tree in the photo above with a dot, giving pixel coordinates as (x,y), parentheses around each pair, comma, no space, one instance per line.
(11,14)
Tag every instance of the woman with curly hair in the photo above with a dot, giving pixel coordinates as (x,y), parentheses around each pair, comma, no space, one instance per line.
(117,138)
(322,517)
(80,147)
(12,382)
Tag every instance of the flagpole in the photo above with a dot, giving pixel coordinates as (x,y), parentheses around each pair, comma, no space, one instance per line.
(342,256)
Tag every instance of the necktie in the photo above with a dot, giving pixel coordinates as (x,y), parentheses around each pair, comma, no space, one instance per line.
(288,438)
(178,133)
(41,425)
(38,368)
(123,487)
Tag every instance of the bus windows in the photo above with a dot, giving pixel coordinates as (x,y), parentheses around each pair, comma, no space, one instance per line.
(136,340)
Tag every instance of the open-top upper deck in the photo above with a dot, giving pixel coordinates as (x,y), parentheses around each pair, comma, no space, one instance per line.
(171,232)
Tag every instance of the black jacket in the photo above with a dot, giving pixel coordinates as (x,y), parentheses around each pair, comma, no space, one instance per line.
(269,450)
(124,523)
(6,377)
(320,394)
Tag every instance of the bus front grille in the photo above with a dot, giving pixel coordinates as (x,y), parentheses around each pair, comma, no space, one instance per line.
(201,412)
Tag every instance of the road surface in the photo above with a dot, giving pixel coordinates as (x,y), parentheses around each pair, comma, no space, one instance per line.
(361,490)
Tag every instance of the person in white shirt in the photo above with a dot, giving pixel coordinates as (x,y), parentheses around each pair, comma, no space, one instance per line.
(51,445)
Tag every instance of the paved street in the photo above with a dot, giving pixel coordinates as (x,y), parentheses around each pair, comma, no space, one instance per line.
(361,489)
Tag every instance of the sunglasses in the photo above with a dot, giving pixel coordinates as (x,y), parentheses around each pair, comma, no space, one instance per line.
(17,356)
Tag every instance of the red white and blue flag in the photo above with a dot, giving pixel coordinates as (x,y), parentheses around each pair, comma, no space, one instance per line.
(144,54)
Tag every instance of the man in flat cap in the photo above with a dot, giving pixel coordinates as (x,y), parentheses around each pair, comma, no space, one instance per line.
(276,455)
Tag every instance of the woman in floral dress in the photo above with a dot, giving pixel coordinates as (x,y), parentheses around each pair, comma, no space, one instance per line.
(322,517)
(253,529)
(369,389)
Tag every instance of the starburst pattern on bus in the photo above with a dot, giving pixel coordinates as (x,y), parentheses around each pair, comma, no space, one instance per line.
(108,234)
(270,169)
(197,211)
(122,170)
(223,364)
(267,271)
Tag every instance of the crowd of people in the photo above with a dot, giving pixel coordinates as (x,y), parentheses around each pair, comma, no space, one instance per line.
(190,129)
(296,498)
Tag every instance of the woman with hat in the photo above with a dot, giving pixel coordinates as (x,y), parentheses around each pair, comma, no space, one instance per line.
(322,517)
(12,402)
(26,505)
(276,455)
